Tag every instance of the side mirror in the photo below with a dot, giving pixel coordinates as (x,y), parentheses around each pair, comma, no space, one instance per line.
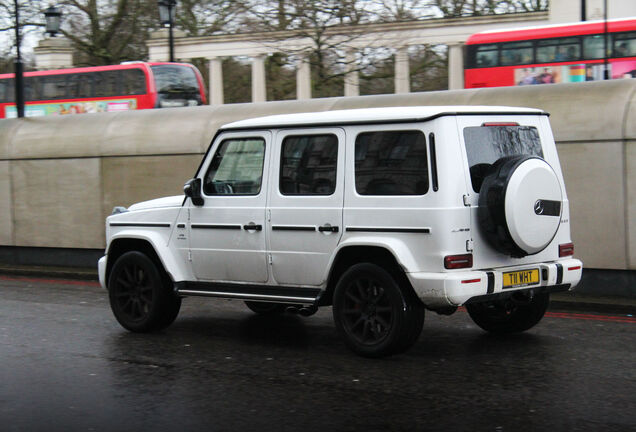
(192,189)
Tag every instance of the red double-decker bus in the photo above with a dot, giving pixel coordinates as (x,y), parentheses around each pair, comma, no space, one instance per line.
(128,86)
(551,54)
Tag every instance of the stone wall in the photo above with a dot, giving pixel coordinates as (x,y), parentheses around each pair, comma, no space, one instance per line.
(61,176)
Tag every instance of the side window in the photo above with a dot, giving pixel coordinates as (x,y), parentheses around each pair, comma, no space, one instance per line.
(593,46)
(487,56)
(557,50)
(625,44)
(308,165)
(134,82)
(516,53)
(237,168)
(391,163)
(54,87)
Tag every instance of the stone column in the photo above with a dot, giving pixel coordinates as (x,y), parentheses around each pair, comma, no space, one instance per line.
(402,78)
(352,80)
(216,81)
(53,53)
(259,90)
(303,80)
(455,66)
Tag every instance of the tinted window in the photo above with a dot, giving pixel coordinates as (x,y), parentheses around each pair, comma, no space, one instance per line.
(107,83)
(133,82)
(515,53)
(174,78)
(557,50)
(308,165)
(391,163)
(237,168)
(54,87)
(487,144)
(593,46)
(80,85)
(625,44)
(4,90)
(486,56)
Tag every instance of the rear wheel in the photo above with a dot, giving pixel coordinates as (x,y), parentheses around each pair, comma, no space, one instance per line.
(509,316)
(375,315)
(140,295)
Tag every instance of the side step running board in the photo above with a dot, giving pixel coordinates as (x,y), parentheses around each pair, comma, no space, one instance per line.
(249,292)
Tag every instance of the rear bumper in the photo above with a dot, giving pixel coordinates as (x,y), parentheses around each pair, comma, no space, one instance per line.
(438,290)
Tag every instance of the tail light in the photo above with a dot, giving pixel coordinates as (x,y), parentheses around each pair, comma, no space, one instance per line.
(452,262)
(566,249)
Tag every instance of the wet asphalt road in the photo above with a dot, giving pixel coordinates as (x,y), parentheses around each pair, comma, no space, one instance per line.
(66,365)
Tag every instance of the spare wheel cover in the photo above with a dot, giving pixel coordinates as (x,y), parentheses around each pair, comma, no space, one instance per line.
(533,205)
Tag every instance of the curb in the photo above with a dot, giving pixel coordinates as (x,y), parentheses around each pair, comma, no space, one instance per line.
(72,273)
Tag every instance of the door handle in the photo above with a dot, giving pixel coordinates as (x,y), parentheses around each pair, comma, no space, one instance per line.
(328,228)
(252,227)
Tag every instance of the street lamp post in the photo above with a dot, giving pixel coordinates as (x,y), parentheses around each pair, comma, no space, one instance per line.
(19,69)
(166,16)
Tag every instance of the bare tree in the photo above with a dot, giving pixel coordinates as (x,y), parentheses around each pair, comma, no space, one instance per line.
(208,17)
(31,20)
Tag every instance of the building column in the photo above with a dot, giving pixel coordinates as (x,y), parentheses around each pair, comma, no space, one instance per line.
(352,79)
(53,53)
(402,78)
(455,66)
(216,81)
(303,80)
(259,89)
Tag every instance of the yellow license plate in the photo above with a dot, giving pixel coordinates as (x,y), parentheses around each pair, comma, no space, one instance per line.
(520,278)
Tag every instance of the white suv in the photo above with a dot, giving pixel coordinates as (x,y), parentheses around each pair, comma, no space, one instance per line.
(382,213)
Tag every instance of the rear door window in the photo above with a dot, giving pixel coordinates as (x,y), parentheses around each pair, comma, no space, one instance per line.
(486,144)
(308,165)
(391,163)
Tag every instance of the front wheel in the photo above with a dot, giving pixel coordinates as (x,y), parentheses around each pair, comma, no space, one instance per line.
(509,316)
(140,295)
(375,315)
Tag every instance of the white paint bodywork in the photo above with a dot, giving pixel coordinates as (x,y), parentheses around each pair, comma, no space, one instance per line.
(443,222)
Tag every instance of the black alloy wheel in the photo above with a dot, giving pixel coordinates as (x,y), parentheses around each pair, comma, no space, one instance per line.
(140,295)
(374,314)
(508,315)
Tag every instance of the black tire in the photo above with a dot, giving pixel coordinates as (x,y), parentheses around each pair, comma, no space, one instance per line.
(140,294)
(507,316)
(263,308)
(374,314)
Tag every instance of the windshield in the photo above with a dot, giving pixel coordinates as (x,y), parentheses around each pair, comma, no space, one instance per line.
(175,79)
(486,144)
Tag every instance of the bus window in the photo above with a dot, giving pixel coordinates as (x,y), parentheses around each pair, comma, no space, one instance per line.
(557,50)
(593,46)
(32,88)
(133,82)
(624,44)
(54,87)
(176,86)
(4,85)
(486,56)
(516,53)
